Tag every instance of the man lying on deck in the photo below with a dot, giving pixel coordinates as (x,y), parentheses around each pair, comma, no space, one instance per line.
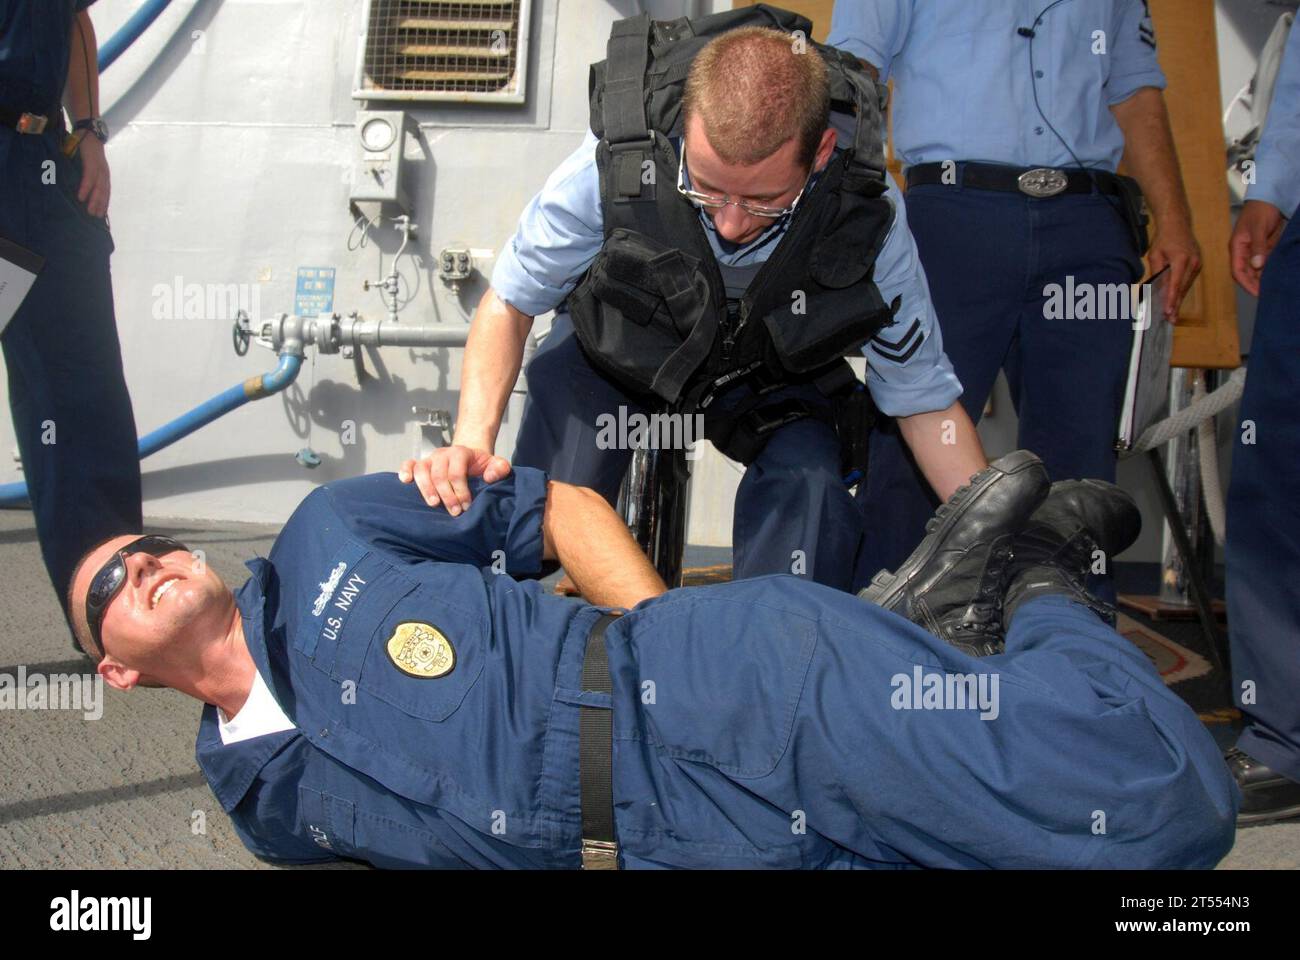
(383,689)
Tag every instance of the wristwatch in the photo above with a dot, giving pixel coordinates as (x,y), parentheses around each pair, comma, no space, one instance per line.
(95,125)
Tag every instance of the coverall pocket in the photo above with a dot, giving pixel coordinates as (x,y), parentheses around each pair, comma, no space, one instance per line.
(717,683)
(426,653)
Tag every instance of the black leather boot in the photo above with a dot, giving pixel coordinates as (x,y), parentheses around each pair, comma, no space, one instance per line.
(1266,795)
(1056,550)
(952,583)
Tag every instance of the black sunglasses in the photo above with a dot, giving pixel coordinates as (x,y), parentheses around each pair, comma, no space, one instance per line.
(108,583)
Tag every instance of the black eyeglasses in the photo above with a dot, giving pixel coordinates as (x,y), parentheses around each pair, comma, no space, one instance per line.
(108,583)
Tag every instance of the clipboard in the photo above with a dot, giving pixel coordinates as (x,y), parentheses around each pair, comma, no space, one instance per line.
(18,269)
(1146,394)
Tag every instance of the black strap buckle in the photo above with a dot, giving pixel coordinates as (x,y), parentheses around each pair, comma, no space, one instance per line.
(628,166)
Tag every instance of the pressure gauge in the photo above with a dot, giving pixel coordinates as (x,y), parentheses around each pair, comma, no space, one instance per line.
(378,134)
(379,163)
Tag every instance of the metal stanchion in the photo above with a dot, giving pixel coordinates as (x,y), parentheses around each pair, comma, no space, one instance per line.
(1183,587)
(1183,476)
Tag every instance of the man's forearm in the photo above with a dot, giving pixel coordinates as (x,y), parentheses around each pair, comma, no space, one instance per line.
(946,447)
(81,93)
(583,532)
(1150,154)
(493,354)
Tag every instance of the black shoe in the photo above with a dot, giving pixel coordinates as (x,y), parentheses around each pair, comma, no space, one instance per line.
(1266,796)
(1057,548)
(952,583)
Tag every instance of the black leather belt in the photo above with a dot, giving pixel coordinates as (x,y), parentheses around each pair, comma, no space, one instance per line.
(596,756)
(23,121)
(1040,182)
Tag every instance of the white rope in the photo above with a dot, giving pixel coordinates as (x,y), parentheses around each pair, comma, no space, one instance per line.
(1199,416)
(1209,405)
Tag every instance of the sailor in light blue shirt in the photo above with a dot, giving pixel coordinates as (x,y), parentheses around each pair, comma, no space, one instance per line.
(964,88)
(1277,159)
(743,166)
(561,231)
(792,511)
(1263,549)
(1010,118)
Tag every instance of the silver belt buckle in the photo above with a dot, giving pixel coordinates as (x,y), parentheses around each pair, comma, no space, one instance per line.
(599,855)
(1042,182)
(32,123)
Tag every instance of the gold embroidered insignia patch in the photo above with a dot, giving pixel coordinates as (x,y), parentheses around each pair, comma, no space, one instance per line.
(421,650)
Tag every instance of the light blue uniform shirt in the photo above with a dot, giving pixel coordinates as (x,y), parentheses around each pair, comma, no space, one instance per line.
(561,231)
(1277,159)
(964,87)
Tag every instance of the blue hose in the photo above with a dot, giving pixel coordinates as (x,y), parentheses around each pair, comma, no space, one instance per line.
(129,32)
(254,388)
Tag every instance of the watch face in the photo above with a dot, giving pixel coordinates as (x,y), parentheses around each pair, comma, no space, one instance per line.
(96,126)
(377,134)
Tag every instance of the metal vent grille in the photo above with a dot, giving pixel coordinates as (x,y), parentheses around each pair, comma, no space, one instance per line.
(444,50)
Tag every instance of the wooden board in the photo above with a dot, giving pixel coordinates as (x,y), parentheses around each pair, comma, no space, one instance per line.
(1189,55)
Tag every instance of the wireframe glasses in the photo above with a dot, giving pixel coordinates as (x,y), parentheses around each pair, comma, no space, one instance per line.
(711,202)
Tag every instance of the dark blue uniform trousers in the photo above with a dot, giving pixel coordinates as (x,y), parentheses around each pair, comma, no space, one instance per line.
(773,722)
(988,257)
(67,393)
(792,513)
(1263,550)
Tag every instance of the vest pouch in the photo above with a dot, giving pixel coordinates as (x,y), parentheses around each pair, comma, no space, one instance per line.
(853,232)
(642,314)
(809,332)
(805,341)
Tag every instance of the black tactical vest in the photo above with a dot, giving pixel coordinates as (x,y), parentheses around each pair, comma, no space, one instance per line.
(654,311)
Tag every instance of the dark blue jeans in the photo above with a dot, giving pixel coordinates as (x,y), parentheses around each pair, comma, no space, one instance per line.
(1263,551)
(67,394)
(989,258)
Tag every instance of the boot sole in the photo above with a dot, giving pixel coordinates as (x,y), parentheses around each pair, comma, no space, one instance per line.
(885,587)
(1268,816)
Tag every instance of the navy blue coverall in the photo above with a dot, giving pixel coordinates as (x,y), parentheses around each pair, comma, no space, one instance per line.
(67,392)
(771,722)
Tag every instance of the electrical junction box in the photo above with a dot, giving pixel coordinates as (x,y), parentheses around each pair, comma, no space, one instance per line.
(377,172)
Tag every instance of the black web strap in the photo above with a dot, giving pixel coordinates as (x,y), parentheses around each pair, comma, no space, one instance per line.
(623,103)
(596,756)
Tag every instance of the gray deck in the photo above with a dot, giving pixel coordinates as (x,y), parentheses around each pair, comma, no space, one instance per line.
(124,790)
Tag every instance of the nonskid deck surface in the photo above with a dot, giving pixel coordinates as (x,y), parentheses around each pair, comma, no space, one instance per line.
(123,790)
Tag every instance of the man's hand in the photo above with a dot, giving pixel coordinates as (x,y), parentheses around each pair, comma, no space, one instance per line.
(1150,155)
(1174,247)
(1257,232)
(94,188)
(443,475)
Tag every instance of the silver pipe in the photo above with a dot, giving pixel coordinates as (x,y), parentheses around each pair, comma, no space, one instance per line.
(386,333)
(330,334)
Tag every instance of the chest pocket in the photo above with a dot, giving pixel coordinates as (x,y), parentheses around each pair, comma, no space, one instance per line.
(427,651)
(403,641)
